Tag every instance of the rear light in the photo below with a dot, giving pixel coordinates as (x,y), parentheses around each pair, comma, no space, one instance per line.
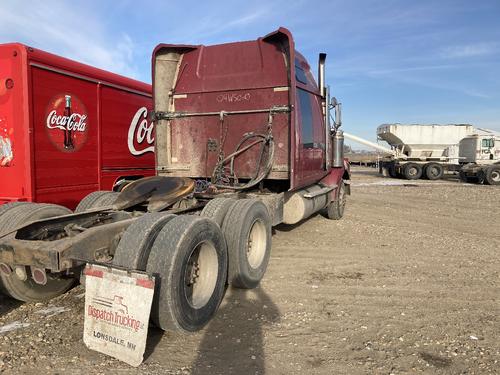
(5,269)
(6,154)
(39,275)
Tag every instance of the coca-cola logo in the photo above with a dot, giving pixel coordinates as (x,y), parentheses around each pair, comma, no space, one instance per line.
(140,133)
(66,122)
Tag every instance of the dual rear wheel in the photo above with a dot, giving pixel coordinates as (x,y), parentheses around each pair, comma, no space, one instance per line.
(492,175)
(415,171)
(433,171)
(246,226)
(193,258)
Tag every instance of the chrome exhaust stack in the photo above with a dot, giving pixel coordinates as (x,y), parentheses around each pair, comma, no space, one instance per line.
(338,135)
(321,74)
(338,149)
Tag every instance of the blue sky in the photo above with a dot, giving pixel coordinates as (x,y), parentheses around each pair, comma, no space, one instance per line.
(388,61)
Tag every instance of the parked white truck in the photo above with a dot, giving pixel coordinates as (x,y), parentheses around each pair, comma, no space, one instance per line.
(427,151)
(480,158)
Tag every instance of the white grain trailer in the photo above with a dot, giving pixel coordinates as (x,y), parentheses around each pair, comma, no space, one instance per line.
(427,151)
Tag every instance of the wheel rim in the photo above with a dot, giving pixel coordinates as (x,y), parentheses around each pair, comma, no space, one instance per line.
(434,172)
(413,171)
(495,176)
(201,275)
(256,246)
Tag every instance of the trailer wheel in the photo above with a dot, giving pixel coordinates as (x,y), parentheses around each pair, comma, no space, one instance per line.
(8,206)
(480,177)
(335,209)
(97,199)
(391,169)
(462,176)
(133,249)
(217,209)
(388,168)
(189,261)
(492,175)
(412,171)
(468,179)
(28,290)
(19,214)
(433,171)
(247,229)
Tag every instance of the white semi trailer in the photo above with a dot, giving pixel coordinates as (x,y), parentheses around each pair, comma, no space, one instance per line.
(428,151)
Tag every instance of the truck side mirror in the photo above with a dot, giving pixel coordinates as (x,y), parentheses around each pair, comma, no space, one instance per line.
(334,104)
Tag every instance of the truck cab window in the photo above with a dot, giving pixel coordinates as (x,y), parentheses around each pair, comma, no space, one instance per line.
(488,143)
(300,75)
(306,118)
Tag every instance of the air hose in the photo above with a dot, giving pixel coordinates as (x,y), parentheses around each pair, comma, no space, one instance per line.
(266,141)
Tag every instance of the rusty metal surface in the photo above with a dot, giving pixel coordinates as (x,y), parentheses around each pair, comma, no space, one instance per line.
(29,253)
(159,192)
(50,228)
(94,244)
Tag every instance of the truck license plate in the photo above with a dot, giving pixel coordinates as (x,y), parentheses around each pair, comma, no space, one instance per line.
(117,307)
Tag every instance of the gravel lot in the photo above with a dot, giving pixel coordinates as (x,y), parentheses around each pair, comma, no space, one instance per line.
(407,282)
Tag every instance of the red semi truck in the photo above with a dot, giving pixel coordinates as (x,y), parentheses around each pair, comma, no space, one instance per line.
(67,129)
(244,142)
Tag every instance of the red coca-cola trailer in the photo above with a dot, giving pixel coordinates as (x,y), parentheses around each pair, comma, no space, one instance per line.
(67,129)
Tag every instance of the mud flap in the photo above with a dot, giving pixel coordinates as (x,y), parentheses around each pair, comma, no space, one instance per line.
(117,308)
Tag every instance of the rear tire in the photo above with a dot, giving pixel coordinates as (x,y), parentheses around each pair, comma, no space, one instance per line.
(247,229)
(135,245)
(412,171)
(335,209)
(434,171)
(189,262)
(391,169)
(467,179)
(28,290)
(8,206)
(217,209)
(492,175)
(97,199)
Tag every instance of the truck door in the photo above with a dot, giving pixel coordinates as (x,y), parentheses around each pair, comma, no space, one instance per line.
(312,135)
(487,148)
(65,127)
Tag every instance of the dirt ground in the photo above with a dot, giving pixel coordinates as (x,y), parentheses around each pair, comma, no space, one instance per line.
(407,282)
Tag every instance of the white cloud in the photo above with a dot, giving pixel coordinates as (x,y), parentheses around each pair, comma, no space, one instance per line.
(470,50)
(68,29)
(390,71)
